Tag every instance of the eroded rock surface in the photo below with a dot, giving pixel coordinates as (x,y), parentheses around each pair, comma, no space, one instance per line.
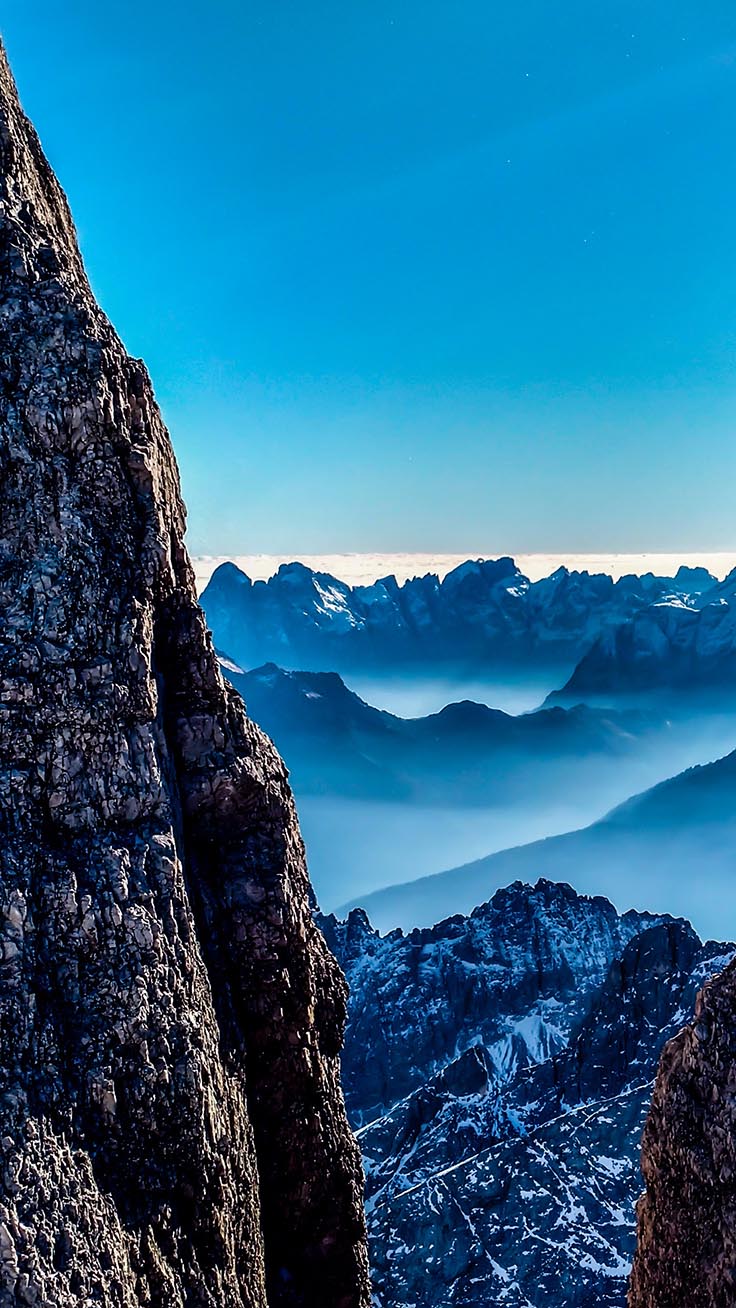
(171,1121)
(686,1250)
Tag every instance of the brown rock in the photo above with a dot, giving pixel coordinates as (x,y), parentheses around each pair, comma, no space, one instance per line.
(686,1220)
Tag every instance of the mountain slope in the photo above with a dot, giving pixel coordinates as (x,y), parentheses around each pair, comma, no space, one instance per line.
(170,1019)
(650,850)
(670,648)
(499,1068)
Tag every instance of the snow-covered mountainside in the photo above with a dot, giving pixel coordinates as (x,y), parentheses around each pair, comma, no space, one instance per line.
(498,1068)
(654,849)
(468,754)
(481,611)
(671,645)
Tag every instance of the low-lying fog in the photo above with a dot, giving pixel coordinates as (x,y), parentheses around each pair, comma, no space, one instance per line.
(356,846)
(416,696)
(676,867)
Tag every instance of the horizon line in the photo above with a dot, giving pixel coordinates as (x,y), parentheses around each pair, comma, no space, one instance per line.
(366,567)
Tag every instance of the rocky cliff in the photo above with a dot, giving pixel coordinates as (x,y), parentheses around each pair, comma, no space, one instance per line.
(686,1251)
(172,1126)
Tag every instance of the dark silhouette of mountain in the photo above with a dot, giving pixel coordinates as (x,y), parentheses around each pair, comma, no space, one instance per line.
(468,754)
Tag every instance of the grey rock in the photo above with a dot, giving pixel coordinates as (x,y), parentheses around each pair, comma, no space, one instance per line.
(686,1248)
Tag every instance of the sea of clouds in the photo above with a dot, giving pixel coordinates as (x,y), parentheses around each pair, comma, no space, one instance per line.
(362,569)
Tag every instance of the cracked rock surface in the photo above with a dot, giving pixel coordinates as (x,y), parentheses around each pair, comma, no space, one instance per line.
(172,1130)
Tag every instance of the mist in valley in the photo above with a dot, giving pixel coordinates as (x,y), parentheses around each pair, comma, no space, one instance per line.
(357,846)
(683,865)
(413,695)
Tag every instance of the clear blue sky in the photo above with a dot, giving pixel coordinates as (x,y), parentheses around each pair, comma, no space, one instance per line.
(440,274)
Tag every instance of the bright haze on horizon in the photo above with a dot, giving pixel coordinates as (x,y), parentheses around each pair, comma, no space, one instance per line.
(411,276)
(363,569)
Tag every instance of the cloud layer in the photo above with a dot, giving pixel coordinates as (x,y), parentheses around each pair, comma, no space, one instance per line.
(362,569)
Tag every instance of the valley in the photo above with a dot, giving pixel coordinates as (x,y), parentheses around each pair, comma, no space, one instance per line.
(420,815)
(538,848)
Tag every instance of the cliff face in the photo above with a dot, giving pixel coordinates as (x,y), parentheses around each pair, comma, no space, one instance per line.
(686,1251)
(171,1121)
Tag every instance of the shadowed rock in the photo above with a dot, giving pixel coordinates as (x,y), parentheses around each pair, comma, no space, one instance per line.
(686,1250)
(171,1120)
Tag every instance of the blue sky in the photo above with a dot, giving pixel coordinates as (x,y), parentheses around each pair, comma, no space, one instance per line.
(414,276)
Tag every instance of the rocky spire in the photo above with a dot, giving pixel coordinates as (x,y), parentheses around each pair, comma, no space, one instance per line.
(171,1121)
(686,1227)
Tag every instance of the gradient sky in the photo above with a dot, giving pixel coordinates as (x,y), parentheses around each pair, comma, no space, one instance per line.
(432,275)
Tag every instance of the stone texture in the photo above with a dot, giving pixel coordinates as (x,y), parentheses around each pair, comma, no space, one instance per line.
(686,1250)
(172,1129)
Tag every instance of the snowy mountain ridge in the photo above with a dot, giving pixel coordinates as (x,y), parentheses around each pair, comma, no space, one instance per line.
(482,609)
(498,1068)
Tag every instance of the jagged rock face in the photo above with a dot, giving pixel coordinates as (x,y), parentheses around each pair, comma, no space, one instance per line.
(512,976)
(171,1118)
(686,1250)
(515,1052)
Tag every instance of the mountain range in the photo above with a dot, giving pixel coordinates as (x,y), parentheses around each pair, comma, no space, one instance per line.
(667,646)
(498,1068)
(334,743)
(365,777)
(484,612)
(173,1127)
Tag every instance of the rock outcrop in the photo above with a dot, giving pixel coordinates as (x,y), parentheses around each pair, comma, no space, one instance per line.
(171,1120)
(499,1068)
(686,1249)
